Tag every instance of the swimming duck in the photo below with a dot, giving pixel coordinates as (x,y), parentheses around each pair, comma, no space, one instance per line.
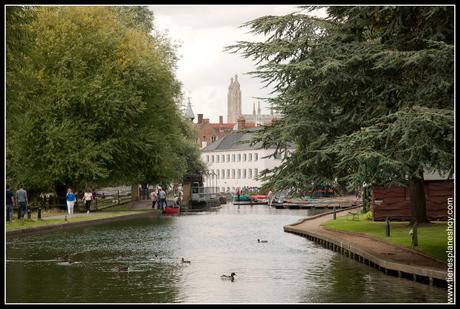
(66,258)
(185,261)
(231,277)
(122,268)
(258,240)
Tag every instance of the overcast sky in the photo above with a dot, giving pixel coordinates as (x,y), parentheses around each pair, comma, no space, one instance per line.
(204,67)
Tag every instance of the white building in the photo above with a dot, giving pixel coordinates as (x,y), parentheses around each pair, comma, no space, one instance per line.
(233,164)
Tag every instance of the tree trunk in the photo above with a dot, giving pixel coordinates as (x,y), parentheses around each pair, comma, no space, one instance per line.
(417,200)
(135,192)
(60,191)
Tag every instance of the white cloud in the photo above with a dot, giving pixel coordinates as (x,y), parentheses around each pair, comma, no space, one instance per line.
(204,67)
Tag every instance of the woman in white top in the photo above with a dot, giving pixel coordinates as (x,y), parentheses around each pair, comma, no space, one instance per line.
(88,197)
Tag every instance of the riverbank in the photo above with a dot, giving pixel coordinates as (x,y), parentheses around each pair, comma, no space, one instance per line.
(431,236)
(390,258)
(28,227)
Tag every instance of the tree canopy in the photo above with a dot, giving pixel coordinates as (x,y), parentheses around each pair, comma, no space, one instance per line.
(91,99)
(366,94)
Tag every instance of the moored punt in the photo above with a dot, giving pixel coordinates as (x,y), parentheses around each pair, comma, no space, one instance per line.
(171,210)
(286,205)
(250,203)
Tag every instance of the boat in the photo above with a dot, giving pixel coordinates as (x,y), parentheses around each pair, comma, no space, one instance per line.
(171,210)
(259,198)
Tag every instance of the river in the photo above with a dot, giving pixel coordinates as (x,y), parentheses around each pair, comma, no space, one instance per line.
(286,269)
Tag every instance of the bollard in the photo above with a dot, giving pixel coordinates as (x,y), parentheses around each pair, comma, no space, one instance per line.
(29,213)
(39,215)
(334,215)
(413,234)
(387,227)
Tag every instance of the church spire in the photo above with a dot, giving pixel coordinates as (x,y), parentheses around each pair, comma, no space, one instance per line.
(253,109)
(258,107)
(189,112)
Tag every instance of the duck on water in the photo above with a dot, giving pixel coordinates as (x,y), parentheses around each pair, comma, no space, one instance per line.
(227,277)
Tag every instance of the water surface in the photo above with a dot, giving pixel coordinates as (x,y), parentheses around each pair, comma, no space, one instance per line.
(286,269)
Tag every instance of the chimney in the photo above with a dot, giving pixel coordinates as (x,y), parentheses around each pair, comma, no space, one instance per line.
(200,118)
(206,120)
(221,119)
(241,123)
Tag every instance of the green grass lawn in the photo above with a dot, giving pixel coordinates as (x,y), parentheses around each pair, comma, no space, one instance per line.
(432,238)
(32,223)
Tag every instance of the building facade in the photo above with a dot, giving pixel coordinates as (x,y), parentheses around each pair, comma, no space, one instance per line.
(233,163)
(208,133)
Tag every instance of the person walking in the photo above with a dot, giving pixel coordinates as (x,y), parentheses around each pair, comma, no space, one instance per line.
(70,199)
(153,197)
(9,204)
(22,200)
(162,196)
(88,197)
(179,198)
(270,197)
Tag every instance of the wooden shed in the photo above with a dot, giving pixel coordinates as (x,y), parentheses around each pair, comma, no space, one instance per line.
(394,202)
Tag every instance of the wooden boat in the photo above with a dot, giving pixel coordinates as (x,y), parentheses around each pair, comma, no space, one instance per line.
(171,210)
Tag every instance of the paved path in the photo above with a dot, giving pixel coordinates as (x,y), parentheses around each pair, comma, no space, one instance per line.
(392,256)
(138,205)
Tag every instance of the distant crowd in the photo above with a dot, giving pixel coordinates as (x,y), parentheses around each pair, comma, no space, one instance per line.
(20,200)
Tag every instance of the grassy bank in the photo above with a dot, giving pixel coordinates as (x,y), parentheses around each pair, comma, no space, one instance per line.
(32,223)
(432,238)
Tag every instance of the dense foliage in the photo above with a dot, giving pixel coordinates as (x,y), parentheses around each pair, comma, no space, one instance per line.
(366,95)
(91,99)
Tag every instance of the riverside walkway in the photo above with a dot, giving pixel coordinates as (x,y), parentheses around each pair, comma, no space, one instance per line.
(80,219)
(392,259)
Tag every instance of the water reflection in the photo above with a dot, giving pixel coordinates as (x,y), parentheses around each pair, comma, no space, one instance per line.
(286,269)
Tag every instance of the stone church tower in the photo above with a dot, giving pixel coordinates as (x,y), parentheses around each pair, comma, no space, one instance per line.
(233,100)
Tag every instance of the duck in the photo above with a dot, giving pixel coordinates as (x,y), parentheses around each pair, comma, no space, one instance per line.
(258,240)
(231,277)
(185,261)
(66,259)
(122,268)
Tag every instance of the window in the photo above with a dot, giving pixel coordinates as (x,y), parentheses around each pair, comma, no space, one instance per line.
(212,158)
(233,157)
(250,173)
(223,158)
(256,173)
(218,174)
(256,156)
(250,157)
(228,158)
(244,157)
(213,139)
(239,173)
(244,173)
(239,157)
(217,158)
(222,189)
(207,158)
(228,173)
(233,173)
